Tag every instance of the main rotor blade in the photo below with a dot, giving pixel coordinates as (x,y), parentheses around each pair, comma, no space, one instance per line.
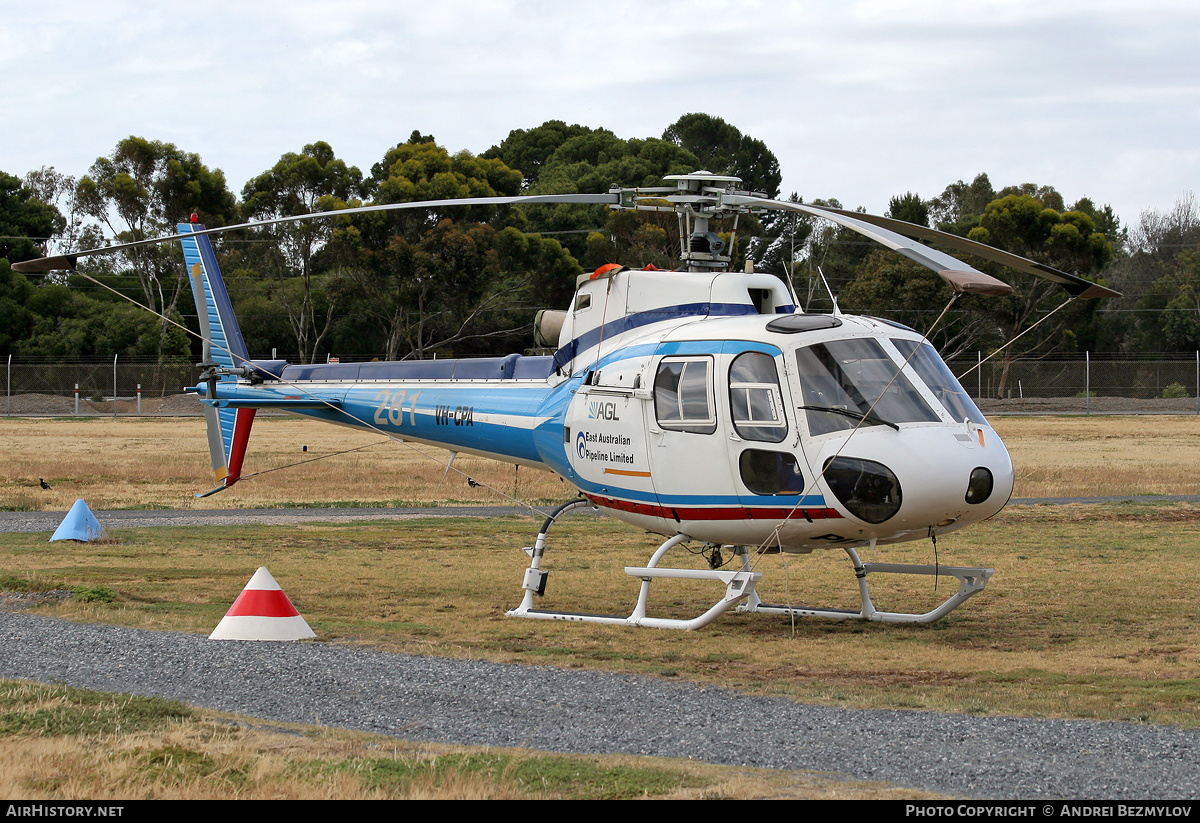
(960,276)
(67,261)
(1075,286)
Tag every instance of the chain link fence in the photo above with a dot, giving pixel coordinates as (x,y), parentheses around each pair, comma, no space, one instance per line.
(1152,377)
(37,386)
(1084,383)
(1081,383)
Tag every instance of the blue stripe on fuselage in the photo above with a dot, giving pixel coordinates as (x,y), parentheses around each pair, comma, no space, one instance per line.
(633,321)
(485,417)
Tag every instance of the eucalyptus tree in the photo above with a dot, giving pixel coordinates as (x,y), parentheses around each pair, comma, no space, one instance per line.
(1161,274)
(721,148)
(26,220)
(455,278)
(141,191)
(290,254)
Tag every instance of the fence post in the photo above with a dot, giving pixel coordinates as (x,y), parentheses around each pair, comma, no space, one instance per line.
(1198,381)
(114,385)
(979,375)
(139,393)
(76,399)
(1087,381)
(10,385)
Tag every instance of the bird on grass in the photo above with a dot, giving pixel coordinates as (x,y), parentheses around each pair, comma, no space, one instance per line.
(45,485)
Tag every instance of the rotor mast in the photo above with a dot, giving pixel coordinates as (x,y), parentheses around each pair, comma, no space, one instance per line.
(696,199)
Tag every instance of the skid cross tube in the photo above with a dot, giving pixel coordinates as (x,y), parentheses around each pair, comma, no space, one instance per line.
(971,581)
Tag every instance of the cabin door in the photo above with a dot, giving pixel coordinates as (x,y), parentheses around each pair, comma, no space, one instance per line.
(688,438)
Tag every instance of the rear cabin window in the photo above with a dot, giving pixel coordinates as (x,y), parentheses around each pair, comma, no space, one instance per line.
(683,395)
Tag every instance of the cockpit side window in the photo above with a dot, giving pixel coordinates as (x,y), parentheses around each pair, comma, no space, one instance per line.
(933,370)
(683,395)
(851,383)
(755,398)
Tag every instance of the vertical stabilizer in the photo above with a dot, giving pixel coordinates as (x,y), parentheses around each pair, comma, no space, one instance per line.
(228,429)
(223,343)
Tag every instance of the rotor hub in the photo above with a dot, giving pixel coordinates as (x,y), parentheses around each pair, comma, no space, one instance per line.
(696,199)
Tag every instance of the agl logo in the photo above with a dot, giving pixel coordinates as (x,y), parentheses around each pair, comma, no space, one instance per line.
(602,410)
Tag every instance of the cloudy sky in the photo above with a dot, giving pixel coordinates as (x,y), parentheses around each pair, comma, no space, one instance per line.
(860,99)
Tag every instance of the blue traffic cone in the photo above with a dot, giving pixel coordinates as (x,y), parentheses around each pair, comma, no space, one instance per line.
(80,524)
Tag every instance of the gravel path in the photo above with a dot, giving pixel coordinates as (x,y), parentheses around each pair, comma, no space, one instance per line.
(479,703)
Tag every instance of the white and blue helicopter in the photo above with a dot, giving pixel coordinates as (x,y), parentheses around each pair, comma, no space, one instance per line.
(700,404)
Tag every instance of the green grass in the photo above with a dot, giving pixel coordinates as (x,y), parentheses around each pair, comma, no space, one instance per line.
(52,711)
(561,777)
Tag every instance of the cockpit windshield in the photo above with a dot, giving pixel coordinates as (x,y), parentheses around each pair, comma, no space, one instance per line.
(851,383)
(940,380)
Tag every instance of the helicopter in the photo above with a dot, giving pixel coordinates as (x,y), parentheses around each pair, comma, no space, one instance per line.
(700,404)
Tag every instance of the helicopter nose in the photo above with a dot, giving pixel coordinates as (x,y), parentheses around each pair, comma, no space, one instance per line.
(923,480)
(956,489)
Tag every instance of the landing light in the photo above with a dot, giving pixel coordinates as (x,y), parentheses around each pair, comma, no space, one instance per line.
(979,487)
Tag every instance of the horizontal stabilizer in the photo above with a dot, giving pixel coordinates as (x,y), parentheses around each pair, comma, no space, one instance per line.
(281,403)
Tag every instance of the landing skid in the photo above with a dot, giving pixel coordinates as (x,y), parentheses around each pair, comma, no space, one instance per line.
(739,586)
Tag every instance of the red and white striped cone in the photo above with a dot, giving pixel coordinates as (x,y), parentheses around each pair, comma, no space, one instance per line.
(262,612)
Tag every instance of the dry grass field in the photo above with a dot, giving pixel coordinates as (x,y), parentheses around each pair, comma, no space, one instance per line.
(1092,612)
(162,462)
(1103,456)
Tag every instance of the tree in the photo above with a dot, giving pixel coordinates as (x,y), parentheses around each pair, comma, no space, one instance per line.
(1178,290)
(1160,279)
(783,245)
(16,321)
(141,191)
(1021,223)
(834,257)
(62,192)
(885,284)
(888,285)
(463,287)
(910,208)
(957,208)
(430,279)
(81,326)
(528,151)
(593,161)
(722,149)
(26,221)
(313,180)
(423,170)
